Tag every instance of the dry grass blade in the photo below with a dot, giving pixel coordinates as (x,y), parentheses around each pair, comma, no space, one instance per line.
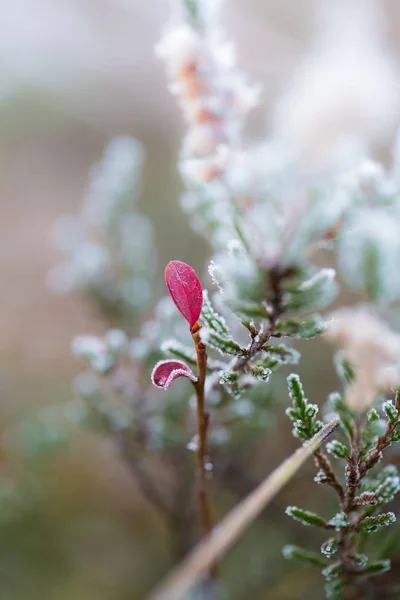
(182,579)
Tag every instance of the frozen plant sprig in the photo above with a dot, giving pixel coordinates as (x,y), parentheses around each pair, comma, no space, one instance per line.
(361,496)
(108,247)
(186,292)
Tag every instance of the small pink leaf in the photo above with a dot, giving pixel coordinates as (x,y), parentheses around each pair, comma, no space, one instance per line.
(185,290)
(166,371)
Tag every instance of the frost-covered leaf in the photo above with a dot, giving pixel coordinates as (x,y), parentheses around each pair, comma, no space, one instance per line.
(337,449)
(391,412)
(308,327)
(185,290)
(230,381)
(339,521)
(306,517)
(373,524)
(274,356)
(261,373)
(316,292)
(344,368)
(179,351)
(344,413)
(166,371)
(369,253)
(212,318)
(302,413)
(377,567)
(222,343)
(291,552)
(329,548)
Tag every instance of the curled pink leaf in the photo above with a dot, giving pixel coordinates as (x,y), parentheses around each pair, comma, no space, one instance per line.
(166,371)
(185,290)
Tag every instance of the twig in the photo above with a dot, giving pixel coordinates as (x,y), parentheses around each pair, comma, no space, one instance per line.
(213,547)
(323,463)
(375,453)
(202,431)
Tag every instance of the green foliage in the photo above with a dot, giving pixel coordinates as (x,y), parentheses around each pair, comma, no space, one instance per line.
(305,517)
(230,381)
(344,368)
(329,548)
(339,521)
(212,318)
(373,524)
(315,292)
(261,373)
(307,327)
(334,589)
(337,449)
(178,350)
(291,552)
(377,567)
(274,356)
(302,413)
(332,571)
(391,412)
(373,415)
(224,344)
(344,413)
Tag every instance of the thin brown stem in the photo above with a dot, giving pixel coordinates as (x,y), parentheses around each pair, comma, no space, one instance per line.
(275,298)
(323,463)
(202,432)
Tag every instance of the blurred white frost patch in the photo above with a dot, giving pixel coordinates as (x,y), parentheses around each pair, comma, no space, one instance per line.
(372,349)
(369,254)
(342,100)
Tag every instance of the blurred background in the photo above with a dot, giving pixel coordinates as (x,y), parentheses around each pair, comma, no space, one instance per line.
(74,74)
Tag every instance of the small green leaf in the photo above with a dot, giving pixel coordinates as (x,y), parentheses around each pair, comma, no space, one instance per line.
(316,292)
(329,548)
(291,552)
(334,589)
(308,327)
(175,348)
(373,524)
(344,413)
(230,381)
(388,489)
(339,521)
(337,449)
(361,560)
(331,572)
(306,517)
(213,319)
(274,356)
(373,415)
(344,368)
(225,345)
(261,373)
(377,567)
(301,412)
(391,412)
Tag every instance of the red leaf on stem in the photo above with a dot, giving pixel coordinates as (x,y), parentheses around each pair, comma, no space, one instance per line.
(166,371)
(185,290)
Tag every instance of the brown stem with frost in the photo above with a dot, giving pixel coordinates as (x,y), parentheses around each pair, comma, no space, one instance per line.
(275,297)
(323,464)
(202,431)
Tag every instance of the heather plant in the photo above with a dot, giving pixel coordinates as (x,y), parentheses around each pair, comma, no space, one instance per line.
(272,212)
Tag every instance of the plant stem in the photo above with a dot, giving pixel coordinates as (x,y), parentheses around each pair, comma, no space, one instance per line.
(184,577)
(202,431)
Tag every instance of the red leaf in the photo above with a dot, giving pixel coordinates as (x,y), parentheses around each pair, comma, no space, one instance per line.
(185,290)
(166,371)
